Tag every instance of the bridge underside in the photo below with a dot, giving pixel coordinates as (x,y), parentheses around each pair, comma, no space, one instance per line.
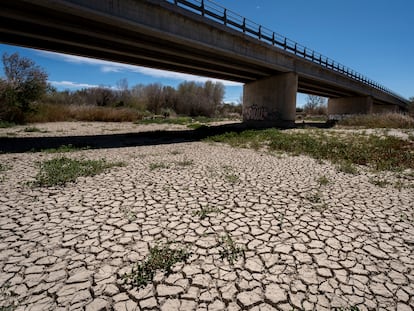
(156,34)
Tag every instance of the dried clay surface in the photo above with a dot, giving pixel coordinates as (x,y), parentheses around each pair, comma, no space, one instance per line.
(305,246)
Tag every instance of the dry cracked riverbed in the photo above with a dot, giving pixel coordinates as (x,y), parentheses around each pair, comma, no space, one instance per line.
(307,246)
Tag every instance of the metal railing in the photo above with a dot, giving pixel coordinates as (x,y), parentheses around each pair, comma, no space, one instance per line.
(216,12)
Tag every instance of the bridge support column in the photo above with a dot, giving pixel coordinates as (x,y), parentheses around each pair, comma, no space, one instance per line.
(338,107)
(271,101)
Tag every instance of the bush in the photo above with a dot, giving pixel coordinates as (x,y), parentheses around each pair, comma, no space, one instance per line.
(386,120)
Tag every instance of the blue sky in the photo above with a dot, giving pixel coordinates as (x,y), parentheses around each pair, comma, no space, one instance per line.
(373,37)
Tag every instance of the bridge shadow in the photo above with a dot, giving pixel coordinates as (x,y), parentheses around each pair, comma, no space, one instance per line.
(33,144)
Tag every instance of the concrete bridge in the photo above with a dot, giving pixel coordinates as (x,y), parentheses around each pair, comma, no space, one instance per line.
(197,37)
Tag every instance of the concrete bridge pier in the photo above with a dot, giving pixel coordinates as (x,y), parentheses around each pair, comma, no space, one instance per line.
(350,105)
(271,101)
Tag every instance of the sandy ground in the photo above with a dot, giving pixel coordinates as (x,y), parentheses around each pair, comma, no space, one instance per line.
(306,246)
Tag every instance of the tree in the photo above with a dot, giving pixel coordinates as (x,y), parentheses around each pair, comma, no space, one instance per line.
(24,83)
(315,105)
(411,106)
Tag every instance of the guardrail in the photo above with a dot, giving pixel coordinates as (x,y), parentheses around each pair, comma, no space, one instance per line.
(216,12)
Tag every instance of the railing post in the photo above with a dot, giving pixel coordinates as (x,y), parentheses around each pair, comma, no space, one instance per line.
(260,32)
(225,16)
(284,44)
(202,8)
(296,46)
(273,38)
(244,25)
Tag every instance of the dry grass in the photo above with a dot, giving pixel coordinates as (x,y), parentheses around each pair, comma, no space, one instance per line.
(386,120)
(55,113)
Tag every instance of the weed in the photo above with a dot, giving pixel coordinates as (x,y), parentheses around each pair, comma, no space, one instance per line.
(158,165)
(323,180)
(196,126)
(59,171)
(229,175)
(386,120)
(347,168)
(129,214)
(351,308)
(281,219)
(381,153)
(176,152)
(161,257)
(64,148)
(32,129)
(204,211)
(185,162)
(232,178)
(379,182)
(5,124)
(4,167)
(315,198)
(229,250)
(7,298)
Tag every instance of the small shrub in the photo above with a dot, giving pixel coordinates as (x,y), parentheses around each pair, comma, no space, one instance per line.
(161,257)
(315,198)
(229,250)
(4,167)
(347,168)
(64,148)
(205,211)
(385,120)
(31,129)
(176,152)
(381,153)
(379,182)
(232,178)
(62,170)
(155,166)
(185,162)
(5,124)
(323,181)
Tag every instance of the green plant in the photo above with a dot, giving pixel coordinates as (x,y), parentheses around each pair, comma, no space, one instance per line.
(379,182)
(129,214)
(196,126)
(385,120)
(323,180)
(351,308)
(32,129)
(64,148)
(232,178)
(204,211)
(347,168)
(229,250)
(161,257)
(176,152)
(155,166)
(380,153)
(185,162)
(4,167)
(8,301)
(5,124)
(314,198)
(59,171)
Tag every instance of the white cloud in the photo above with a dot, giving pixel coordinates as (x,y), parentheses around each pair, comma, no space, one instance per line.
(107,67)
(72,85)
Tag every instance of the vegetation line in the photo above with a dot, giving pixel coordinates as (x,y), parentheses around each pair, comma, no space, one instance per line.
(380,153)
